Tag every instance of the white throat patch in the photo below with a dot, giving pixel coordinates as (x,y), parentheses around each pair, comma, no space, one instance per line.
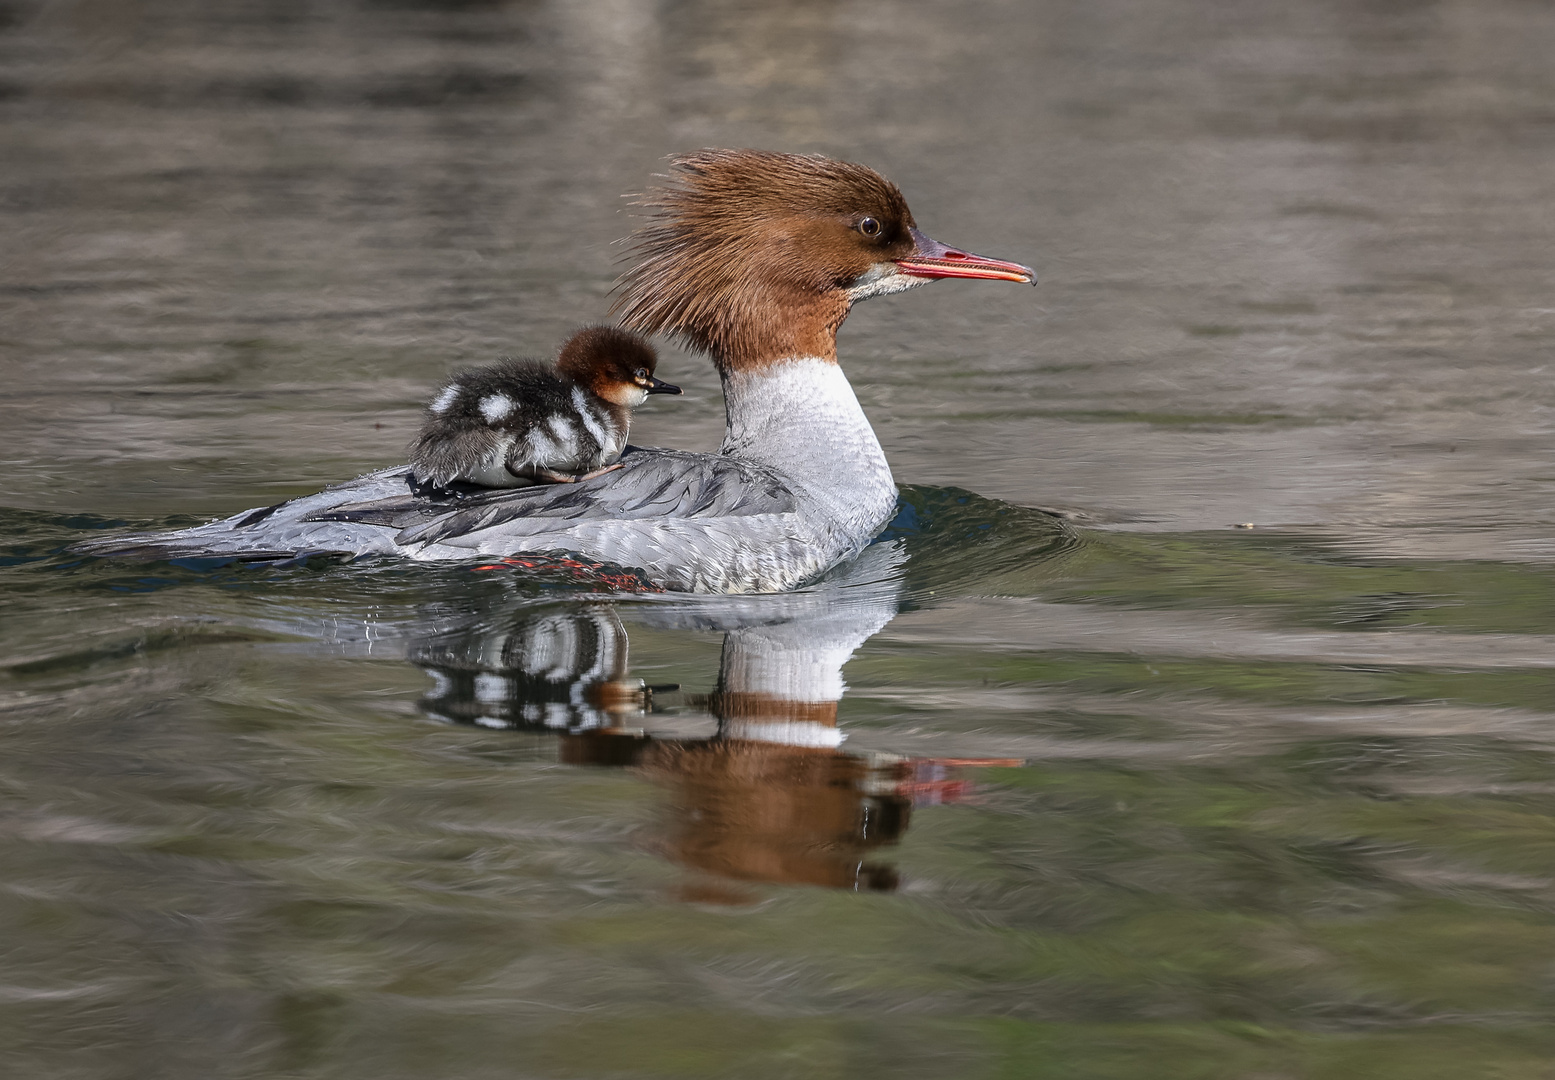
(883,279)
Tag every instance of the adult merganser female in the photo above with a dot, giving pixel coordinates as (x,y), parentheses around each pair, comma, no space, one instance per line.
(755,258)
(521,422)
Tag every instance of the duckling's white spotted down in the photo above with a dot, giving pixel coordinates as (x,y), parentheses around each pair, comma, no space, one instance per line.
(495,408)
(522,422)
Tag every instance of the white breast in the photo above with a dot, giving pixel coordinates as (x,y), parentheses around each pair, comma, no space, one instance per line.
(802,418)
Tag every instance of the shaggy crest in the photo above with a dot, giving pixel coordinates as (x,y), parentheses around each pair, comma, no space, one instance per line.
(748,252)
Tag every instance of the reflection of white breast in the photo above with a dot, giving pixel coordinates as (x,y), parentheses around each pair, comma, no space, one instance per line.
(792,647)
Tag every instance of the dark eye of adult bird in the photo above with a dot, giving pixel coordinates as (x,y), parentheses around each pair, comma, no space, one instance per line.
(869,227)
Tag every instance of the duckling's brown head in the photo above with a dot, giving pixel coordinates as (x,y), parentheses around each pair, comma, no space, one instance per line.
(616,365)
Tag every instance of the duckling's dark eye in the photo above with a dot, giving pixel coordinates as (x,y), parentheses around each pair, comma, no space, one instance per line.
(641,374)
(869,227)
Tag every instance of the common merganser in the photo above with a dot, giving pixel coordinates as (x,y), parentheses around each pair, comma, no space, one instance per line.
(522,422)
(755,258)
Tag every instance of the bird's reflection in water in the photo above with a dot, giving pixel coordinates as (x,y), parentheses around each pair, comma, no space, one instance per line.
(769,797)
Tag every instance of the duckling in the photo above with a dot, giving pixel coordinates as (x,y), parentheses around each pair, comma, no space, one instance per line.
(522,422)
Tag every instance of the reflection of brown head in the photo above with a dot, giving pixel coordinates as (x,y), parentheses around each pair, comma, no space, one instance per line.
(759,811)
(755,810)
(770,798)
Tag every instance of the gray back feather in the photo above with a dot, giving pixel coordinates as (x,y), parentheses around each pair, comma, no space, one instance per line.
(651,483)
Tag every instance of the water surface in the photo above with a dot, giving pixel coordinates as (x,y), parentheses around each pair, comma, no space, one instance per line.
(1068,776)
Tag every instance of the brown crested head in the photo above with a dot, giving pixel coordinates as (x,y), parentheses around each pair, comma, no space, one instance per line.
(750,255)
(756,257)
(614,364)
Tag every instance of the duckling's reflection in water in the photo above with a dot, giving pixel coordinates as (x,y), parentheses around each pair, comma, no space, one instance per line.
(771,796)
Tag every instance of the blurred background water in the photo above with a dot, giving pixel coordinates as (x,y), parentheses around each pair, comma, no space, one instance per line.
(1116,789)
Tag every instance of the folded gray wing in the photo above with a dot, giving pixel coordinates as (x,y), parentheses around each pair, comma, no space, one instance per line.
(651,483)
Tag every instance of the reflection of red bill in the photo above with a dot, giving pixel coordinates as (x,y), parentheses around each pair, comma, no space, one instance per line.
(935,792)
(931,781)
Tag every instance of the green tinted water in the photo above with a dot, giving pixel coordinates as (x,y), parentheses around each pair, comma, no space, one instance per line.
(1254,809)
(1117,790)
